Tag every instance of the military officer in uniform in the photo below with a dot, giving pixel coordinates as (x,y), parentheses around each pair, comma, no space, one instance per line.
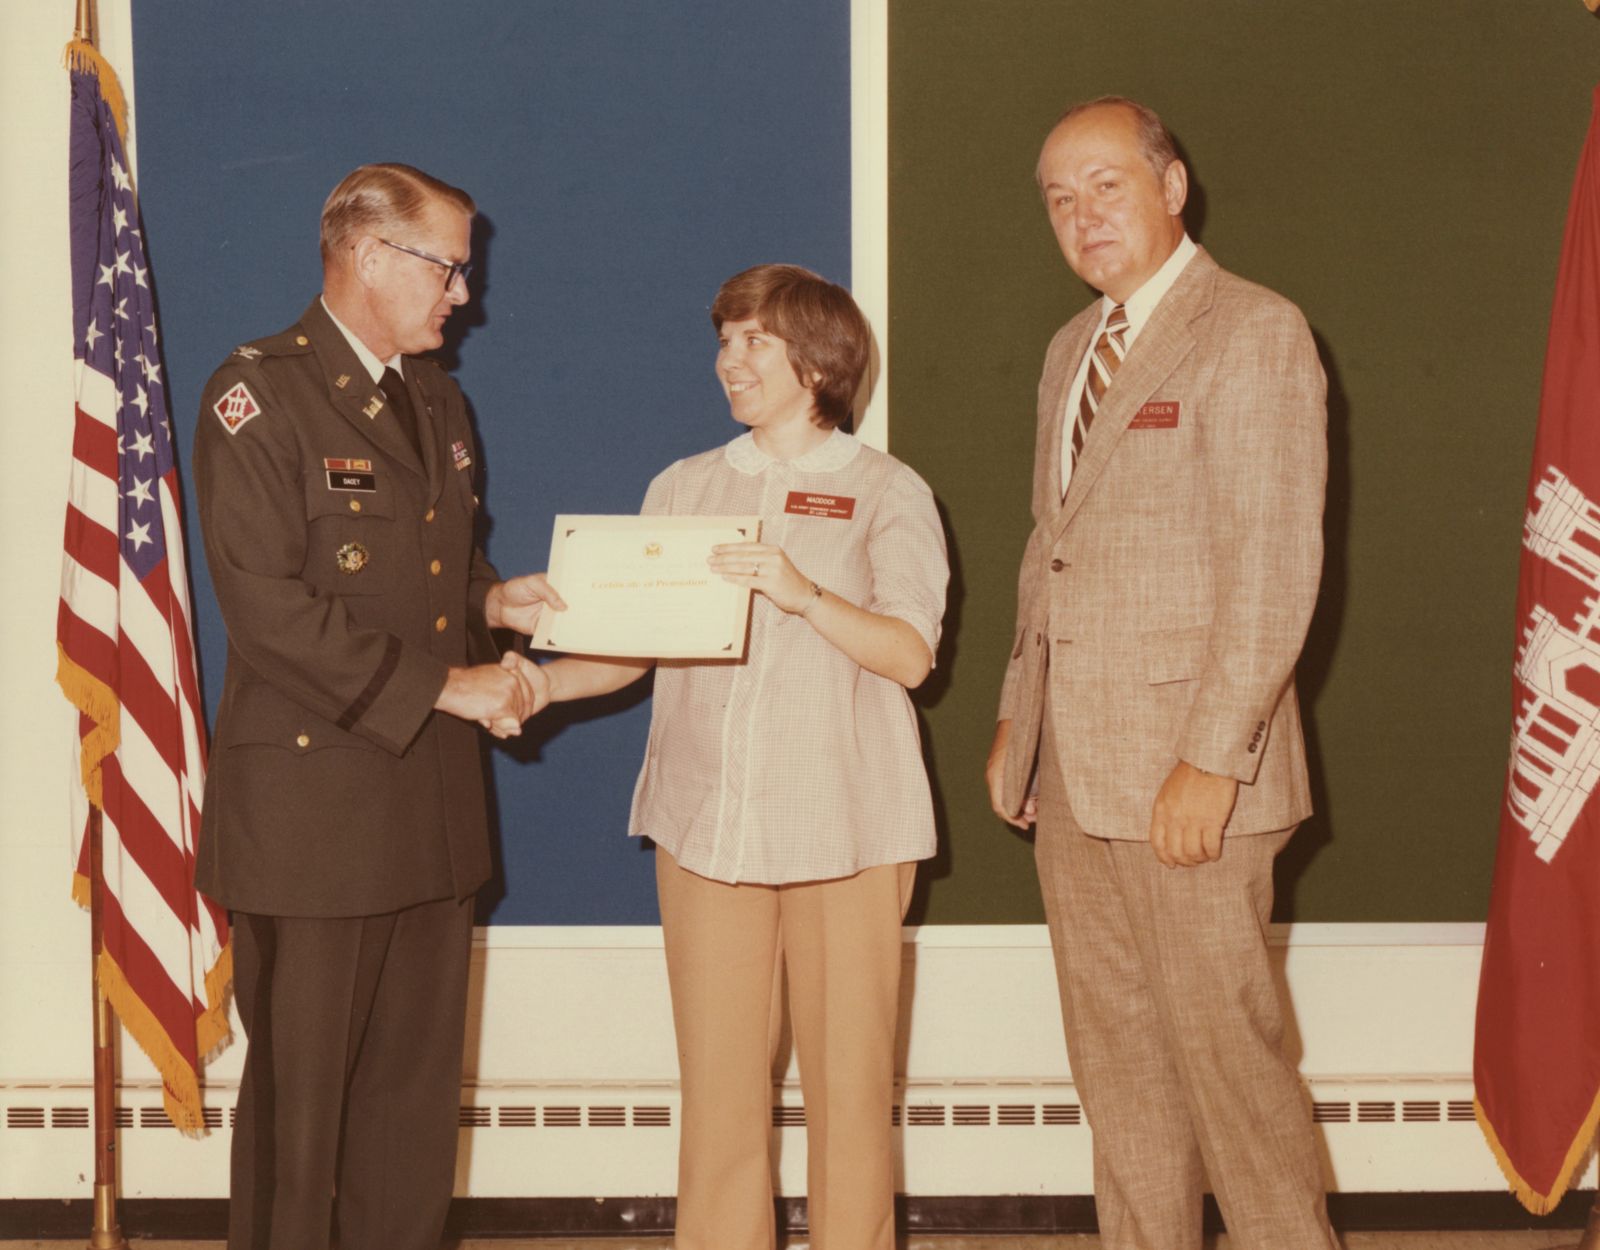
(345,822)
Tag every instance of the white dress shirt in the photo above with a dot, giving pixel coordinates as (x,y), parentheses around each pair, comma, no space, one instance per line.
(1138,308)
(365,354)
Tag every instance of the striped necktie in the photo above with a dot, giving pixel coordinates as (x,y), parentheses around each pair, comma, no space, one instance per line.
(1104,361)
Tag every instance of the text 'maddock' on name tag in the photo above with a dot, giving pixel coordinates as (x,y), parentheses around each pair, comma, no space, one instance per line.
(1162,415)
(805,503)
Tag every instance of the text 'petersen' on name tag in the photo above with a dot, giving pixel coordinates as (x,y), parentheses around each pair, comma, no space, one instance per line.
(1161,415)
(804,503)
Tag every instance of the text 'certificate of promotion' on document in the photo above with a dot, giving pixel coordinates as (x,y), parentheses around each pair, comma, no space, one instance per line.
(639,586)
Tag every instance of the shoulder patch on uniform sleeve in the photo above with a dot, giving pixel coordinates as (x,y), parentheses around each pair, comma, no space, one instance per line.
(236,406)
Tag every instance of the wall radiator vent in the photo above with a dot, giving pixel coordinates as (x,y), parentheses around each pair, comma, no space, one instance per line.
(1377,1131)
(157,1117)
(784,1115)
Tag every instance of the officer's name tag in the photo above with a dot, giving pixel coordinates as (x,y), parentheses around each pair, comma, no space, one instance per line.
(804,503)
(350,475)
(1156,416)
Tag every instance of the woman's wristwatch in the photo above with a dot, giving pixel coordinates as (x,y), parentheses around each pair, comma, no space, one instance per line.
(816,593)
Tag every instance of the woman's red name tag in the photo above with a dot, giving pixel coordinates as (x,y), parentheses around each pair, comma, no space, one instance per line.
(804,503)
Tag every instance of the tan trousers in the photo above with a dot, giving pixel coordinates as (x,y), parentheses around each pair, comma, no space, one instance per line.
(1175,1037)
(726,946)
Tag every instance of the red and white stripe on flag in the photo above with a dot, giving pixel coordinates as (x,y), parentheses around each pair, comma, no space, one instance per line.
(1536,1066)
(125,640)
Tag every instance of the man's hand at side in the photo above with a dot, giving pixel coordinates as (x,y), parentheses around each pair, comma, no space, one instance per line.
(995,775)
(1191,809)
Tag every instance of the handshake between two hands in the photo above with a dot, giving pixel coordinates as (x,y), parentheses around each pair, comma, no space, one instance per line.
(498,696)
(501,696)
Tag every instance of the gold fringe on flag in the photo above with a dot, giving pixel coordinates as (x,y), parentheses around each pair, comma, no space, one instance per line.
(1536,1202)
(84,58)
(94,699)
(211,1030)
(180,1084)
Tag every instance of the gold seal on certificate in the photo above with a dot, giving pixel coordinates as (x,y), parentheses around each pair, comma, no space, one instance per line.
(639,586)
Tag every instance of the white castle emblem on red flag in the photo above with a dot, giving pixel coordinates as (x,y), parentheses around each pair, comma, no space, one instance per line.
(1555,740)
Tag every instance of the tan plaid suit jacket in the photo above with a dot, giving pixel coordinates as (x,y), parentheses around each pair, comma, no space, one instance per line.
(1164,602)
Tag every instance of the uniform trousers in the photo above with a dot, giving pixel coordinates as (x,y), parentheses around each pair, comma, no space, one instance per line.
(1175,1037)
(727,949)
(352,1079)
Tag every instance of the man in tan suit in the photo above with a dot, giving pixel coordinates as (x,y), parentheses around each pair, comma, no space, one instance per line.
(1148,721)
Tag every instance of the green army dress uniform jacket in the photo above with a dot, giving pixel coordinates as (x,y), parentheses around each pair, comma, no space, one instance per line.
(349,582)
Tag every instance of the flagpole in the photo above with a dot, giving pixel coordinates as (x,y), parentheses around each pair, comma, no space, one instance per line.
(106,1233)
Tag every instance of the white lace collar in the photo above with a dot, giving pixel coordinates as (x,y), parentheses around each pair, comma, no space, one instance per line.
(838,450)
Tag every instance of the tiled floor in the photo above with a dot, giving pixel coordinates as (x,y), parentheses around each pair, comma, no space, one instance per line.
(1352,1241)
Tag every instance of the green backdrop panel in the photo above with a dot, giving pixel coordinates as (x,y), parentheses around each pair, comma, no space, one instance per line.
(1399,170)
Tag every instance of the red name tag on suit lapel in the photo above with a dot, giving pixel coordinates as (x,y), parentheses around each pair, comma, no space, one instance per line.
(838,507)
(1157,416)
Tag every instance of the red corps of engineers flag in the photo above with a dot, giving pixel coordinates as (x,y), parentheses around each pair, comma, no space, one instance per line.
(125,648)
(1536,1066)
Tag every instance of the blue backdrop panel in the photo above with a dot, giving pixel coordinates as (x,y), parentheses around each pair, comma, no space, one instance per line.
(626,156)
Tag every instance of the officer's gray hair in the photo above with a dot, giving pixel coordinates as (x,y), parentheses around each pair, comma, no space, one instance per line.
(375,197)
(1155,140)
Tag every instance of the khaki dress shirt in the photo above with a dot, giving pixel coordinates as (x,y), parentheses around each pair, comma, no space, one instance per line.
(795,763)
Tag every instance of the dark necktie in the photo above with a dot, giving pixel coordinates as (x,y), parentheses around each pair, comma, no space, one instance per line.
(394,390)
(1104,362)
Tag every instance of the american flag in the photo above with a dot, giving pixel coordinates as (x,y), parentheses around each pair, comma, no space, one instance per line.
(125,644)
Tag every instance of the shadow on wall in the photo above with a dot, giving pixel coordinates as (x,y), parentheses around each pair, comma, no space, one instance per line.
(928,695)
(1322,640)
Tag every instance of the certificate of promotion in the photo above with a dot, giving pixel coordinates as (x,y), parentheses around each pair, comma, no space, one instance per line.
(639,586)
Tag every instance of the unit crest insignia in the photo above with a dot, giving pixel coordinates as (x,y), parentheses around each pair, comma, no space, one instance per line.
(352,558)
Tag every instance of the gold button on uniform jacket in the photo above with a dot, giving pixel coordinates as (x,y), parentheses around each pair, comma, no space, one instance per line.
(349,582)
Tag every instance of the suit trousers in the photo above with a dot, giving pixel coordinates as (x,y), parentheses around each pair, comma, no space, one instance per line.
(1175,1037)
(728,947)
(352,1079)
